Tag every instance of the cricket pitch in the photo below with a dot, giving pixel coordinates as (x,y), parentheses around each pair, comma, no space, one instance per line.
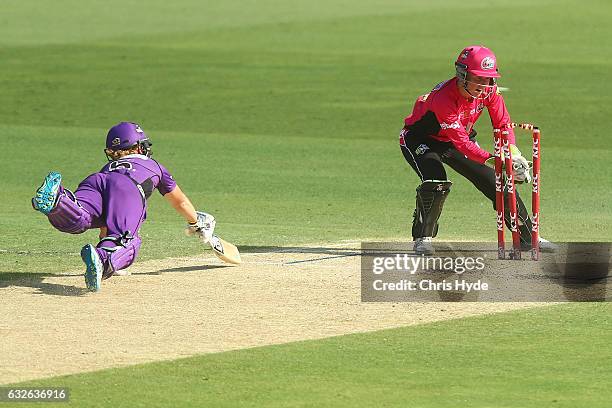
(180,307)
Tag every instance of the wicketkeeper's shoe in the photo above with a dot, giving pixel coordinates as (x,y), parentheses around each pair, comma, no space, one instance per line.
(93,267)
(547,246)
(424,246)
(46,195)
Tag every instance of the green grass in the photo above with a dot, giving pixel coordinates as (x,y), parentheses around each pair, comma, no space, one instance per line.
(551,357)
(282,118)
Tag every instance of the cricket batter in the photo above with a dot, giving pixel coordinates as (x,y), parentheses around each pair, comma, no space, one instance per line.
(440,130)
(115,200)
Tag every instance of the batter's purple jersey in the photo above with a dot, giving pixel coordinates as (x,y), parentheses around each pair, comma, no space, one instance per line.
(144,171)
(122,186)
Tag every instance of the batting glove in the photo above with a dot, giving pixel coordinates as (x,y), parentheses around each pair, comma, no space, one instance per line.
(204,227)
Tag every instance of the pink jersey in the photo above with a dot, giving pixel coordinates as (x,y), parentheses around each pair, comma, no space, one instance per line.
(445,115)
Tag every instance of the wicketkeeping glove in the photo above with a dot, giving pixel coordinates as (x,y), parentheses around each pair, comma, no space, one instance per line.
(520,165)
(204,227)
(520,170)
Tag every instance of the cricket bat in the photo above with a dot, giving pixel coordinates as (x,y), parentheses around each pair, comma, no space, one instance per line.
(224,250)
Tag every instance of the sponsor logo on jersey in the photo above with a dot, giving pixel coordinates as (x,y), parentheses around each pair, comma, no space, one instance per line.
(422,148)
(477,109)
(487,63)
(454,125)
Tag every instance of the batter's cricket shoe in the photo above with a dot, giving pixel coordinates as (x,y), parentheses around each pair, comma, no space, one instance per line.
(424,246)
(93,267)
(46,195)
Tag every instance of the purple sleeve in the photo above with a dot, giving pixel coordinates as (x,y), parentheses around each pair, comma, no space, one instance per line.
(166,182)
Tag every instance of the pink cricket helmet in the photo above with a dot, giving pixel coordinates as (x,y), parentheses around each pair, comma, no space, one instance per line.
(477,60)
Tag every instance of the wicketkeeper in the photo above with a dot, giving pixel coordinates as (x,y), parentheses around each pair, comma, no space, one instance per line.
(440,130)
(115,201)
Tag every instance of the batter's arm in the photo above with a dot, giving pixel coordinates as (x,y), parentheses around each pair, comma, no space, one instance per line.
(179,201)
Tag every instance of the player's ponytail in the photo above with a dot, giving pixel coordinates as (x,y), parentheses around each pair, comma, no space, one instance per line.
(113,155)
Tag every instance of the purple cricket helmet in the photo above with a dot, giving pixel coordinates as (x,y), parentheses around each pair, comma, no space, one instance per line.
(128,134)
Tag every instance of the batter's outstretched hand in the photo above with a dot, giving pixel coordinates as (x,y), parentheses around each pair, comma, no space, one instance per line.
(204,227)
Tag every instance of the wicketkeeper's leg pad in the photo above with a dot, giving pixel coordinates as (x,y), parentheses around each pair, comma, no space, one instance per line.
(429,203)
(68,215)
